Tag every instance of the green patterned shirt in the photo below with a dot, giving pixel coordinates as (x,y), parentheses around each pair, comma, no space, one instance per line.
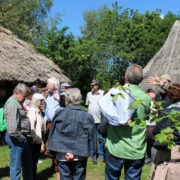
(129,142)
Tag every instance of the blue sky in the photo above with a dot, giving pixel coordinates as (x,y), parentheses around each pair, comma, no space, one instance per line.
(73,9)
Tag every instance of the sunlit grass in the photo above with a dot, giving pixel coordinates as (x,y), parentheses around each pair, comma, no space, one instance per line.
(94,172)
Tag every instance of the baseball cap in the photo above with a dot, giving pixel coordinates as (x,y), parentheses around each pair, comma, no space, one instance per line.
(166,76)
(65,85)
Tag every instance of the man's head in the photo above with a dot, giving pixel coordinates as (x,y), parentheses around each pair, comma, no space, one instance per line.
(30,94)
(134,74)
(151,93)
(20,92)
(65,86)
(95,85)
(53,84)
(166,79)
(37,84)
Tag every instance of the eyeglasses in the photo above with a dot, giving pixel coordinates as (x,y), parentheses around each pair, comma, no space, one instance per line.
(92,85)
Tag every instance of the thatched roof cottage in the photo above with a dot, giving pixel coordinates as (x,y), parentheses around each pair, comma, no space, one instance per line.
(167,60)
(20,62)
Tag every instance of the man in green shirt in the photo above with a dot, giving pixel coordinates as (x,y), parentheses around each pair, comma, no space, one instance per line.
(126,146)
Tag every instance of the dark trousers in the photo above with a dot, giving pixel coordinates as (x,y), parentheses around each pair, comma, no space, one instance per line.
(114,165)
(35,150)
(48,126)
(74,170)
(2,138)
(54,161)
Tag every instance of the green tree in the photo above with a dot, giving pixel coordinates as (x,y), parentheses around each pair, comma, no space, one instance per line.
(122,37)
(25,18)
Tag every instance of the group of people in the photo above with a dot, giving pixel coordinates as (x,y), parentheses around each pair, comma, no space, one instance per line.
(71,133)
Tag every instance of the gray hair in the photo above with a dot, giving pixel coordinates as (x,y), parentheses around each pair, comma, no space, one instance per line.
(73,96)
(20,88)
(36,97)
(134,74)
(54,81)
(96,82)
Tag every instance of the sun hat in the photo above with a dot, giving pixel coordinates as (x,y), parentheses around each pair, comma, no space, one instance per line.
(166,76)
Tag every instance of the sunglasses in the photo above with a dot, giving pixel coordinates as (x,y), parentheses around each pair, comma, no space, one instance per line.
(92,85)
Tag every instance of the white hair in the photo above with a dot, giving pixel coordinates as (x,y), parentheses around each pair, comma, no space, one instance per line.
(73,96)
(36,97)
(54,81)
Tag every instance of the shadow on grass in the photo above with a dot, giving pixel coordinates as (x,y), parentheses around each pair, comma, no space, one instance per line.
(4,172)
(45,174)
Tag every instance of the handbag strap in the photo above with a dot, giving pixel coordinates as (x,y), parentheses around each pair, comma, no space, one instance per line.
(10,101)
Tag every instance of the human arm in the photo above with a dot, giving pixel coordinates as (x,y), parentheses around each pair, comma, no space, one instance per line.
(87,100)
(158,82)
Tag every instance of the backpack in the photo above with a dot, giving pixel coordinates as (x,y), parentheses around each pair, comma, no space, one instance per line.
(3,123)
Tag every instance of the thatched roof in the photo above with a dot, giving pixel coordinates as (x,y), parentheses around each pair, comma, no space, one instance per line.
(167,60)
(20,62)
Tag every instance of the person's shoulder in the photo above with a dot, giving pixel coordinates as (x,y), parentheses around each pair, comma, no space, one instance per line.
(12,100)
(89,93)
(101,91)
(11,103)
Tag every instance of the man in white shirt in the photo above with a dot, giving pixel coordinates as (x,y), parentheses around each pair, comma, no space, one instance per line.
(91,101)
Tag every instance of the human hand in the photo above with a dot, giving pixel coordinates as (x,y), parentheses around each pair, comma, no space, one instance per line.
(69,156)
(56,96)
(154,80)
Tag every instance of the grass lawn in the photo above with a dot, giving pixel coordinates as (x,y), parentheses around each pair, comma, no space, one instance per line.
(45,173)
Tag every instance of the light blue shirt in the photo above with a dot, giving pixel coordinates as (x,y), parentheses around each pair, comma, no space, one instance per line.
(51,106)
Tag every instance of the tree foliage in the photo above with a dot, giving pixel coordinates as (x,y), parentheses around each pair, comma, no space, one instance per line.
(124,36)
(25,18)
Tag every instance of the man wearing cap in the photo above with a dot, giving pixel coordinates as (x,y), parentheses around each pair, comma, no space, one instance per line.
(163,95)
(61,97)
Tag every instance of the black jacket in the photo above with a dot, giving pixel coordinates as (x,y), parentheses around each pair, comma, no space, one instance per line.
(71,131)
(164,123)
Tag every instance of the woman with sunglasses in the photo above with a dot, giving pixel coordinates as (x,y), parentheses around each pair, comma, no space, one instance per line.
(36,119)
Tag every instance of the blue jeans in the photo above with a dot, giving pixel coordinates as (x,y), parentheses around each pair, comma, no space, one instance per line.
(100,145)
(74,170)
(20,156)
(132,168)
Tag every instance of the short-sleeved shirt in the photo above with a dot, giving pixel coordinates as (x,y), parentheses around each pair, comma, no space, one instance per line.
(92,103)
(129,142)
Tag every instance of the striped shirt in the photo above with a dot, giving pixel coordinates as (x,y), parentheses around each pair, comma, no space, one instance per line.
(129,142)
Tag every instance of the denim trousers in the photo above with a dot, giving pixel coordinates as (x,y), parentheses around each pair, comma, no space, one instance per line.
(20,157)
(100,144)
(73,170)
(114,165)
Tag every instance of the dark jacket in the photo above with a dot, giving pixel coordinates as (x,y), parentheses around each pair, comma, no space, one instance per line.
(71,131)
(164,123)
(163,97)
